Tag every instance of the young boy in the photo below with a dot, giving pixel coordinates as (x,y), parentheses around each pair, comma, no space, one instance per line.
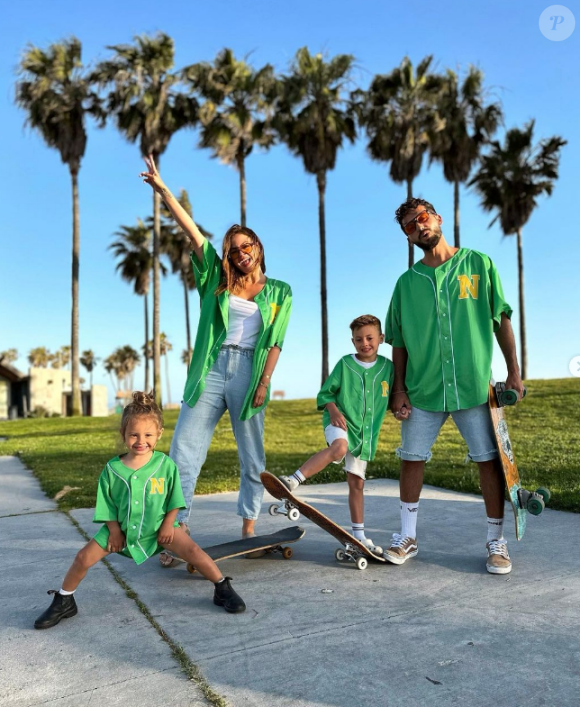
(354,398)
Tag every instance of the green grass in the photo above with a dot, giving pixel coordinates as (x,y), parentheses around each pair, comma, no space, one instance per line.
(544,431)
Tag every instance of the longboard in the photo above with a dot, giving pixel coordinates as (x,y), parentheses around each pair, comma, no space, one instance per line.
(522,501)
(352,550)
(273,543)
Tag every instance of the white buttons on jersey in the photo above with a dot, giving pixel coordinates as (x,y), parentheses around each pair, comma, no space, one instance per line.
(136,503)
(134,477)
(445,337)
(134,527)
(444,314)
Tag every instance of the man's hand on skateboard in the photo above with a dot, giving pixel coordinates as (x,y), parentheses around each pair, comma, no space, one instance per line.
(514,382)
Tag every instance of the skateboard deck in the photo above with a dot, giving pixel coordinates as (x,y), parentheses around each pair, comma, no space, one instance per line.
(522,501)
(352,550)
(272,543)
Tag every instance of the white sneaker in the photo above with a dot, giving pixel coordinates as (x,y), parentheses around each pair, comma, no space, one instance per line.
(290,482)
(375,549)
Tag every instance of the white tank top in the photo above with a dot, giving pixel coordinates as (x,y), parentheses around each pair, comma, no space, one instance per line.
(244,323)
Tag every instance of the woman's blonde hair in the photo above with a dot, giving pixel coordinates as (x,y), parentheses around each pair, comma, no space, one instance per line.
(143,405)
(233,280)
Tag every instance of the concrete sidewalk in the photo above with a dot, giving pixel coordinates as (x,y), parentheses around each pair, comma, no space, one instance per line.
(438,630)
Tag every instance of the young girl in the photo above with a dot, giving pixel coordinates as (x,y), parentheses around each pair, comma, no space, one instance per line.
(241,329)
(138,498)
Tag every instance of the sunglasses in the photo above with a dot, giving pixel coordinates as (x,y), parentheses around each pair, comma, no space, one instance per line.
(411,226)
(235,253)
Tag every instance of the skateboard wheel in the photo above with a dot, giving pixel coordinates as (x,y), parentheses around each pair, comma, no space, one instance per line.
(339,554)
(273,510)
(544,493)
(190,568)
(287,553)
(361,563)
(535,504)
(293,514)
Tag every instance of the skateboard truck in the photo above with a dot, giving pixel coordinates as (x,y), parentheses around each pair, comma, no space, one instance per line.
(286,508)
(533,501)
(507,396)
(351,553)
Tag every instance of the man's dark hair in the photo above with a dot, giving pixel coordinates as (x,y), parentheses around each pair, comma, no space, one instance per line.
(409,205)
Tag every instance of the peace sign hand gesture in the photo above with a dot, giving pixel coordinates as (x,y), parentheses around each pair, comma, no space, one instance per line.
(151,176)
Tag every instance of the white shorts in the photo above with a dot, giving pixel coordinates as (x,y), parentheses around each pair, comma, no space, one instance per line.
(353,465)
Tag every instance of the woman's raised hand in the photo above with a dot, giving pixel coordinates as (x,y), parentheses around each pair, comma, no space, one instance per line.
(151,176)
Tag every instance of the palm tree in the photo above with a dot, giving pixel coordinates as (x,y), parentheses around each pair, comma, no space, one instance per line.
(166,347)
(177,246)
(61,358)
(148,108)
(469,124)
(236,112)
(311,120)
(399,114)
(57,94)
(121,363)
(89,361)
(8,356)
(39,357)
(509,180)
(186,356)
(132,249)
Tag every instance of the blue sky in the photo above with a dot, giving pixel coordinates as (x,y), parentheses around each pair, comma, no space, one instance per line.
(533,77)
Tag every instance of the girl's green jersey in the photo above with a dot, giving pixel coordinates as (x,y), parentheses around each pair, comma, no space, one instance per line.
(362,396)
(274,303)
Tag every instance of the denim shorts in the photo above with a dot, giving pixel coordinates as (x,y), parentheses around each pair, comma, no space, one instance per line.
(419,432)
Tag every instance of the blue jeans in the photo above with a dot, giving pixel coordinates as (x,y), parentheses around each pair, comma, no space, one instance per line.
(419,432)
(226,387)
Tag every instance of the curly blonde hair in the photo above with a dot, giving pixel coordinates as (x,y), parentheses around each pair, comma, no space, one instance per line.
(142,405)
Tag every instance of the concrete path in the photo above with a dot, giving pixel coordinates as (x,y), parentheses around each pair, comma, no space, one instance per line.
(438,630)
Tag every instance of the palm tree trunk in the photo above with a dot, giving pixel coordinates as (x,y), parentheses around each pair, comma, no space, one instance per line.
(456,213)
(411,247)
(156,289)
(242,171)
(186,295)
(321,182)
(145,298)
(167,379)
(523,348)
(74,344)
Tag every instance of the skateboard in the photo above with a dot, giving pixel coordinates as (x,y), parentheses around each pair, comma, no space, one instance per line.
(274,543)
(522,500)
(352,550)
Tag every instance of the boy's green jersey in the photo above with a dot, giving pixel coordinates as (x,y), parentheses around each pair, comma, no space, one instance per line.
(446,318)
(138,501)
(362,396)
(274,303)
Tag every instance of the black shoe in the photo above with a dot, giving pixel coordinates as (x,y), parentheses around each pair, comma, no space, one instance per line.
(62,607)
(225,595)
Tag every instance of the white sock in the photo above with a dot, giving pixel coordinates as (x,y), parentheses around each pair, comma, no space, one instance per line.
(65,593)
(494,529)
(358,530)
(299,476)
(409,519)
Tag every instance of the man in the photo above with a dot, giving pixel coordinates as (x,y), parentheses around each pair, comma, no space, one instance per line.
(441,321)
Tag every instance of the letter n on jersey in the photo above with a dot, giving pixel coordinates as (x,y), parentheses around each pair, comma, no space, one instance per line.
(157,486)
(468,285)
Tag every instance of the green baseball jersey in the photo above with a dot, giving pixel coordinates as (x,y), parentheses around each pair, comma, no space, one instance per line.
(446,317)
(138,501)
(274,303)
(362,396)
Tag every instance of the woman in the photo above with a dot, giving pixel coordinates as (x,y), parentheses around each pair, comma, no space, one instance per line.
(242,323)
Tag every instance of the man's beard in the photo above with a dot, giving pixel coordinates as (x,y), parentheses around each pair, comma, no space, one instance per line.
(431,242)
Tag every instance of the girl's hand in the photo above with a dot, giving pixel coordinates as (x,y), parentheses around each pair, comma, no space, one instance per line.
(151,176)
(116,541)
(337,419)
(165,534)
(259,396)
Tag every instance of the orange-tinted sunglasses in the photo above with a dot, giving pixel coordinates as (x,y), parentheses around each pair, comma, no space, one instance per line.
(411,226)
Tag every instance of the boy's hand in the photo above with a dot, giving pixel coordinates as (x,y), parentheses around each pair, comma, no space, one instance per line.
(166,533)
(116,540)
(337,419)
